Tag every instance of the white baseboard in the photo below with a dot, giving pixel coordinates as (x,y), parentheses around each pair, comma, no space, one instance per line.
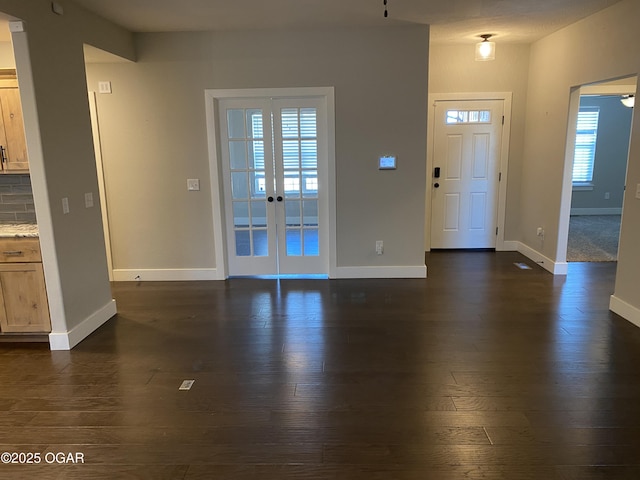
(625,310)
(596,211)
(166,275)
(508,246)
(557,268)
(68,340)
(419,271)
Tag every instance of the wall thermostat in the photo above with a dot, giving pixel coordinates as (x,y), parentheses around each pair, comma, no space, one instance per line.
(387,162)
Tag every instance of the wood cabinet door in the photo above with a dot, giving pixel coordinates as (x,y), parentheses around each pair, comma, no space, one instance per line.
(23,298)
(15,145)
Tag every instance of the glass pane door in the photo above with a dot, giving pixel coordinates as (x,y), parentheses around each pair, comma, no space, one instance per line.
(248,160)
(274,159)
(300,183)
(298,149)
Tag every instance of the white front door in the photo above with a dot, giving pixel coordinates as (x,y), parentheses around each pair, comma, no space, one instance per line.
(465,176)
(274,153)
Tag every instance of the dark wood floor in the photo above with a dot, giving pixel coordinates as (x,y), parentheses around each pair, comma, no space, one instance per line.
(481,371)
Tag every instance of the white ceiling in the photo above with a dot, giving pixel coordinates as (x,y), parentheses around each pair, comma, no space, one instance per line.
(452,21)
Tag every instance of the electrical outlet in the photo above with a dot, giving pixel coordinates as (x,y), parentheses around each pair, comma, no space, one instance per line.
(379,247)
(540,232)
(607,196)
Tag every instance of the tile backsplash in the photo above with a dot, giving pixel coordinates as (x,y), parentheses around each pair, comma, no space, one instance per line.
(16,199)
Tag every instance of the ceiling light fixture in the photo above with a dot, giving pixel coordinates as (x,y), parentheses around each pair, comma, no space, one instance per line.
(485,50)
(628,100)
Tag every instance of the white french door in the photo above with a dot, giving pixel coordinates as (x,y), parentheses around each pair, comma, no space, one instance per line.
(274,156)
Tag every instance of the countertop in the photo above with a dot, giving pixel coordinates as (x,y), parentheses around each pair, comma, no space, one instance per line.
(18,231)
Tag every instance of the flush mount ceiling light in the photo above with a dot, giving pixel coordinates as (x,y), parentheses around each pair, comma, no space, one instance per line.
(628,100)
(485,50)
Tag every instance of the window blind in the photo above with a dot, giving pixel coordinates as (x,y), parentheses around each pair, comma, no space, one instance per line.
(585,150)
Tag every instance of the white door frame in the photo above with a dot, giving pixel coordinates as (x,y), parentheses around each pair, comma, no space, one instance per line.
(215,167)
(501,244)
(567,180)
(102,185)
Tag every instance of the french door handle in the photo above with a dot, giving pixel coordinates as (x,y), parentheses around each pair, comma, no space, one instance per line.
(279,198)
(270,199)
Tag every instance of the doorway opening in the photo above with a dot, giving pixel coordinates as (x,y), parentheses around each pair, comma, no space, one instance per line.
(16,202)
(93,56)
(600,149)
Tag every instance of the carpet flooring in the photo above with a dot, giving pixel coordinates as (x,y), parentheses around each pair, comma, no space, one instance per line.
(593,238)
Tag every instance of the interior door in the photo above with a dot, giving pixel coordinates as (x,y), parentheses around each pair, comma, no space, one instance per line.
(466,162)
(248,170)
(300,154)
(274,167)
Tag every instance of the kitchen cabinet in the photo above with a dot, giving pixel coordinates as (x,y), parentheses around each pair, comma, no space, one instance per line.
(13,145)
(23,296)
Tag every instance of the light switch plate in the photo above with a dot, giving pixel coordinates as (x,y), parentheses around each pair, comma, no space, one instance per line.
(104,87)
(88,200)
(193,184)
(638,191)
(65,205)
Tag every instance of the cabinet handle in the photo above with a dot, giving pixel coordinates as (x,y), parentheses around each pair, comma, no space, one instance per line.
(3,154)
(14,253)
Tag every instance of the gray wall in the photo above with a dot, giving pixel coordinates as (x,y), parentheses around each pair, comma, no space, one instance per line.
(560,63)
(154,137)
(51,72)
(612,151)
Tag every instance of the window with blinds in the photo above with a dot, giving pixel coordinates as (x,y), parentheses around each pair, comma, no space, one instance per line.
(585,150)
(299,149)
